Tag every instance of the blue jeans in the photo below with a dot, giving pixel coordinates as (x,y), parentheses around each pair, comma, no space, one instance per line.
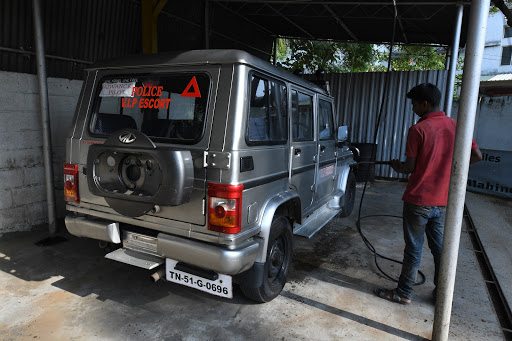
(418,221)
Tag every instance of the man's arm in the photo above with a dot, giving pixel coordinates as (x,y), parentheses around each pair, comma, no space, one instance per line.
(404,167)
(476,155)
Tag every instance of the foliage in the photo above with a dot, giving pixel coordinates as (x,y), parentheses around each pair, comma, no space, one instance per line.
(413,58)
(495,9)
(309,56)
(458,77)
(358,57)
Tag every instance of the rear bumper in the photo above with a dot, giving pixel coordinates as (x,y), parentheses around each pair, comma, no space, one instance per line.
(93,228)
(203,255)
(208,256)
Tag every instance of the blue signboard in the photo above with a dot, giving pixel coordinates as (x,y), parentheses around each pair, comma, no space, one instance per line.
(492,175)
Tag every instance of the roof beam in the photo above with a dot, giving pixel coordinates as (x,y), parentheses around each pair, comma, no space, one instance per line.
(291,22)
(340,22)
(247,19)
(400,23)
(372,3)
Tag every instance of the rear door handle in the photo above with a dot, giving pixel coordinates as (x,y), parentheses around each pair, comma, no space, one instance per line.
(297,151)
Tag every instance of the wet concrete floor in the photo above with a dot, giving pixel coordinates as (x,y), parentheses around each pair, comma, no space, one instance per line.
(70,292)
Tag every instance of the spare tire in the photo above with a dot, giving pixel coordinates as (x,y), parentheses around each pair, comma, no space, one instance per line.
(134,175)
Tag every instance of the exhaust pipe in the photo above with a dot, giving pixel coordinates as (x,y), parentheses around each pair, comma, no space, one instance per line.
(159,274)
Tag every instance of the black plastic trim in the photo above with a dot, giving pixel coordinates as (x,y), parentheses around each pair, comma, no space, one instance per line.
(326,162)
(265,180)
(253,277)
(303,169)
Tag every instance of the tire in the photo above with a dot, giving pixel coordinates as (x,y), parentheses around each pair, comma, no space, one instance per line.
(277,265)
(350,196)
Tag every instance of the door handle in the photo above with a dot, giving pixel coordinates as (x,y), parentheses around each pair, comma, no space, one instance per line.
(297,151)
(322,148)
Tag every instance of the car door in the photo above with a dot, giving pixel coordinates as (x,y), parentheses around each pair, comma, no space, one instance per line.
(325,176)
(303,146)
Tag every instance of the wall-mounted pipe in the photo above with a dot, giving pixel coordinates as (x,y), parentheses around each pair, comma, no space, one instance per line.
(45,117)
(450,82)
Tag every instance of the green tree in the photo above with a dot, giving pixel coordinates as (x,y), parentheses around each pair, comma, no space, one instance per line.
(358,57)
(309,56)
(413,58)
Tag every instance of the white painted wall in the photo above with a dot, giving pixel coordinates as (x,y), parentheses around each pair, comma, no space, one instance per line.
(493,122)
(494,41)
(22,187)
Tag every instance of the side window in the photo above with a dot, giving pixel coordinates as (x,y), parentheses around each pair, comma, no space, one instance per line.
(302,116)
(267,112)
(325,121)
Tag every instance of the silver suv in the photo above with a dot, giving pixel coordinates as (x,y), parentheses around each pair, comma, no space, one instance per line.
(201,165)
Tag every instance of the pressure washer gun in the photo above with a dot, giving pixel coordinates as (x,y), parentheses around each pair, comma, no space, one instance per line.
(376,162)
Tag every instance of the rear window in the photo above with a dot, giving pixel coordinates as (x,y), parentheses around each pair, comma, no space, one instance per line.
(168,107)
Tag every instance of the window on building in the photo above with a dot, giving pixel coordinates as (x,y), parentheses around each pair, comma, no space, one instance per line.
(505,55)
(508,32)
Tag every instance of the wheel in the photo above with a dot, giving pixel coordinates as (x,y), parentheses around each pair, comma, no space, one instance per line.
(277,265)
(350,196)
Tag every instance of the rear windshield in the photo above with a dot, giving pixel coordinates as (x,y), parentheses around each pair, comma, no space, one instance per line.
(169,107)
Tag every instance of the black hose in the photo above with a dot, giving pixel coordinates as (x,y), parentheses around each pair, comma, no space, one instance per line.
(369,245)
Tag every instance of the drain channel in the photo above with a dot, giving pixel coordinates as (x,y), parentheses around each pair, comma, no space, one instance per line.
(493,288)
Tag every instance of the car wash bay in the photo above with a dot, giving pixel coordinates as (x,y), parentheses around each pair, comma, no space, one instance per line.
(413,30)
(69,291)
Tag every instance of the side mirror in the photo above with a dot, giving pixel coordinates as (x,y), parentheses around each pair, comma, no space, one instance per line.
(342,133)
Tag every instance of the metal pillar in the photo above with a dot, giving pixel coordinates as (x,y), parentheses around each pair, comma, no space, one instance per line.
(450,82)
(274,56)
(460,166)
(150,9)
(45,117)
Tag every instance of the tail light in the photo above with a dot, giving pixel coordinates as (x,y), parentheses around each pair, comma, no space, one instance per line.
(225,208)
(71,183)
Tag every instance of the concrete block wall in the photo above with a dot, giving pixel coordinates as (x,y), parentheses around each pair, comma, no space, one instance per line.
(22,180)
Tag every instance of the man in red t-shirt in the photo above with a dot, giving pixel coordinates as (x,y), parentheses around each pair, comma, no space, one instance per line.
(429,152)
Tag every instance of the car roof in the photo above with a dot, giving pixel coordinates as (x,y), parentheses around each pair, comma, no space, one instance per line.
(201,57)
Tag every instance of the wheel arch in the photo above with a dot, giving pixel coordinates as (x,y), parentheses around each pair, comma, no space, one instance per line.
(287,204)
(339,198)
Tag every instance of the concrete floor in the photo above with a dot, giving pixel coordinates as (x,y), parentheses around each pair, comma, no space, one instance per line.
(70,292)
(492,217)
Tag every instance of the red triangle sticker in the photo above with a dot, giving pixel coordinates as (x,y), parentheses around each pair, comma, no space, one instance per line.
(193,83)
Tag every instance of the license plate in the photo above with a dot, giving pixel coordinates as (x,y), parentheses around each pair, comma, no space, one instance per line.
(222,286)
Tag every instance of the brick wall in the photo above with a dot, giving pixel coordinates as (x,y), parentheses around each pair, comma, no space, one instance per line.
(22,181)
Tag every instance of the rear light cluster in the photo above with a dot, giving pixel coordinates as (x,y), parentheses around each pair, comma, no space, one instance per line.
(225,208)
(71,183)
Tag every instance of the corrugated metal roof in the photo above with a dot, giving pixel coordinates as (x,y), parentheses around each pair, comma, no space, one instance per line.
(80,31)
(501,77)
(83,31)
(77,33)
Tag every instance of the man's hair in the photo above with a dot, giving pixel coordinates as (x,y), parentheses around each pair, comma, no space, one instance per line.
(426,92)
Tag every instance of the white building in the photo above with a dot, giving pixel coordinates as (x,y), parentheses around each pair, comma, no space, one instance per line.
(498,47)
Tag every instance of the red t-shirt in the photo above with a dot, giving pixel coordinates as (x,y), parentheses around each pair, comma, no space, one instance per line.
(431,142)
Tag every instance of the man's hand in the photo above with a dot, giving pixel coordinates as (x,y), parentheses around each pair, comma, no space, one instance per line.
(476,155)
(404,167)
(396,165)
